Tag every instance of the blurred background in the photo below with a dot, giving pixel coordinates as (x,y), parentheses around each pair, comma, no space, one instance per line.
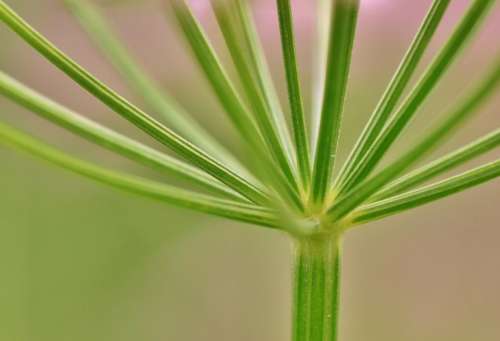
(80,261)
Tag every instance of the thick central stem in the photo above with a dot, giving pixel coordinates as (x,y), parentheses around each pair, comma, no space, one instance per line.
(316,288)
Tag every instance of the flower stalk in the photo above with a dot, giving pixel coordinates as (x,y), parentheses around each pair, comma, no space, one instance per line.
(316,293)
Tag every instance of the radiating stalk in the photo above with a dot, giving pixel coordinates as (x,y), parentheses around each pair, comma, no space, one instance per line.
(316,291)
(430,140)
(107,138)
(153,95)
(424,195)
(236,19)
(139,185)
(396,87)
(257,57)
(276,168)
(320,52)
(228,21)
(127,110)
(440,166)
(339,56)
(294,92)
(416,98)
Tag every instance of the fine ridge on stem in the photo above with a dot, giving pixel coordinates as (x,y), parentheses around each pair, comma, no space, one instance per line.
(316,293)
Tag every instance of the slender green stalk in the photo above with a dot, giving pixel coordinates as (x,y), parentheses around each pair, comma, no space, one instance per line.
(155,98)
(238,38)
(258,102)
(417,96)
(96,133)
(216,74)
(395,88)
(339,56)
(257,58)
(427,194)
(316,292)
(250,42)
(257,140)
(294,92)
(454,119)
(440,166)
(152,189)
(323,9)
(130,112)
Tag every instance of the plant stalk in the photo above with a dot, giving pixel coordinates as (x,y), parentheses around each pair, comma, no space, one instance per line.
(316,291)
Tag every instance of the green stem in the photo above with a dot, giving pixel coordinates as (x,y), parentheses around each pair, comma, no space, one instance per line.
(316,288)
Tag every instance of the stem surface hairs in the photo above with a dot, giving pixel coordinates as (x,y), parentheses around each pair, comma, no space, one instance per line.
(288,177)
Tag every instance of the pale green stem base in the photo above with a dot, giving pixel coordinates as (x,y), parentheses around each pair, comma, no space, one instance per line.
(316,288)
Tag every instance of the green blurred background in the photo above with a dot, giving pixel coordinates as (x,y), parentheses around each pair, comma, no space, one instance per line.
(79,261)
